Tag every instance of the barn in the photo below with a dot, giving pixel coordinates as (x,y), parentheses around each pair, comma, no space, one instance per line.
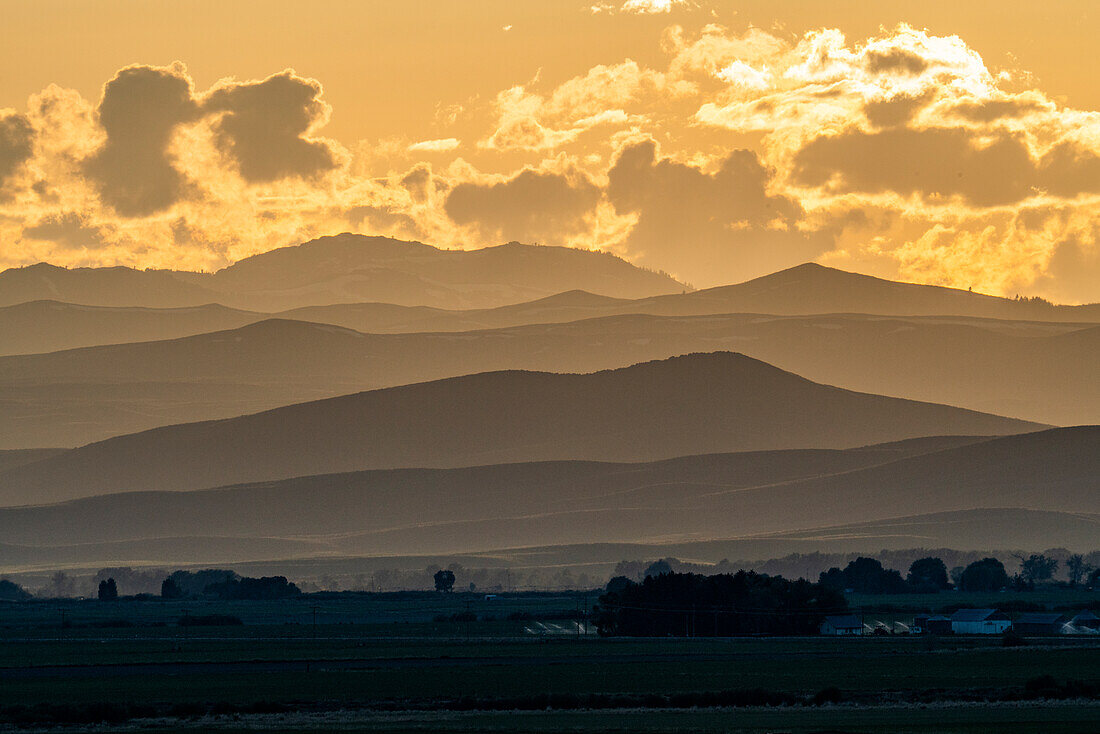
(979,622)
(845,625)
(1040,623)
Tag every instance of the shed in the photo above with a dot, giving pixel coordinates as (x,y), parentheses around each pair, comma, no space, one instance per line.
(1040,623)
(844,625)
(979,622)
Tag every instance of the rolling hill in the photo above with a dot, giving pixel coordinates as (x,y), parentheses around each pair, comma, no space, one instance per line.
(348,268)
(1037,371)
(699,403)
(49,325)
(1028,491)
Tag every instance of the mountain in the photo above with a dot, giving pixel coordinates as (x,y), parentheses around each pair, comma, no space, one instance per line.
(1028,491)
(815,289)
(49,326)
(699,403)
(348,268)
(1039,371)
(803,290)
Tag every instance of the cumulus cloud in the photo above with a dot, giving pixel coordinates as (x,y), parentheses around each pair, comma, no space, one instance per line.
(70,230)
(266,127)
(141,108)
(531,206)
(707,227)
(16,142)
(649,7)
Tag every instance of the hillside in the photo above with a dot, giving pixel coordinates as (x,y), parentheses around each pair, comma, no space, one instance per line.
(947,492)
(804,290)
(699,403)
(1032,370)
(348,268)
(811,288)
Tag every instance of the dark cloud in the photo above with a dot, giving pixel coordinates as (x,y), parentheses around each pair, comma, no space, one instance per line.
(895,111)
(895,61)
(530,207)
(16,143)
(943,162)
(141,108)
(930,162)
(417,182)
(264,124)
(1069,170)
(381,220)
(991,110)
(708,227)
(69,230)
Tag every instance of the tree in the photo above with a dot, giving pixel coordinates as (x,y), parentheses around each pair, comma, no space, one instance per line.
(864,576)
(108,590)
(928,574)
(169,589)
(444,580)
(11,591)
(1077,568)
(1037,567)
(657,568)
(687,604)
(956,575)
(987,574)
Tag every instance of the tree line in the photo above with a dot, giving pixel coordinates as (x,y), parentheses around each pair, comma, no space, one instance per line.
(693,605)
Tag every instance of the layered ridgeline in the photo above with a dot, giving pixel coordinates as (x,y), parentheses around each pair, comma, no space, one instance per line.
(1028,491)
(1038,371)
(695,404)
(29,326)
(348,268)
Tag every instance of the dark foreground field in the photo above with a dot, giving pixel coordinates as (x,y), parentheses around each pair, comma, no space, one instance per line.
(401,663)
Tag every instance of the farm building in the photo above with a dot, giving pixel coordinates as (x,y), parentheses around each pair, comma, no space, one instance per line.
(979,622)
(1084,623)
(848,624)
(1040,623)
(925,625)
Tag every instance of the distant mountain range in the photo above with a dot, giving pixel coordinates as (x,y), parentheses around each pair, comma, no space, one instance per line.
(32,326)
(348,268)
(1039,371)
(1028,491)
(700,403)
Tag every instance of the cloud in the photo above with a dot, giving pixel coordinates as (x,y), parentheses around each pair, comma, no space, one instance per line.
(141,109)
(709,228)
(70,230)
(441,145)
(649,7)
(265,127)
(531,206)
(16,142)
(938,163)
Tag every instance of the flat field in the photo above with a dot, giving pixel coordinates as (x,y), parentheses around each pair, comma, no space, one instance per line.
(512,663)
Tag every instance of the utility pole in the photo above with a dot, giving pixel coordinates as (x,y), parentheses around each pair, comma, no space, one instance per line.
(467,620)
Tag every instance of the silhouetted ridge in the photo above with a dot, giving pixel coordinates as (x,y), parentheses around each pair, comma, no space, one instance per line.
(693,404)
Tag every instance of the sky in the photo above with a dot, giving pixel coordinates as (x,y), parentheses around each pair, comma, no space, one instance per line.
(953,143)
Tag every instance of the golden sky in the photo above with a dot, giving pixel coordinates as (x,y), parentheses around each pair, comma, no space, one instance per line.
(955,143)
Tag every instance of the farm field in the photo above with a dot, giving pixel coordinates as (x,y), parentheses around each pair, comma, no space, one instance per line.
(369,657)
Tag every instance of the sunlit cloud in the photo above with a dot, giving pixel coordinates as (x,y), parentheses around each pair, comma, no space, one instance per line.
(734,153)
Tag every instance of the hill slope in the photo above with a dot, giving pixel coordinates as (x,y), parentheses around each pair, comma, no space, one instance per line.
(1029,491)
(700,403)
(1033,370)
(348,268)
(804,290)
